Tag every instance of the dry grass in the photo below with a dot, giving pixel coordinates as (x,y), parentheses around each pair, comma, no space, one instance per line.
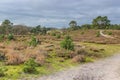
(90,36)
(49,54)
(18,51)
(13,58)
(78,58)
(38,53)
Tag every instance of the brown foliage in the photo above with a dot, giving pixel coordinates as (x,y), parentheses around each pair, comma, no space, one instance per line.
(78,58)
(39,57)
(81,51)
(40,60)
(13,59)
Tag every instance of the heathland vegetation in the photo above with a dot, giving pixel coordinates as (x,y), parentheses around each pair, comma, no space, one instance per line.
(27,52)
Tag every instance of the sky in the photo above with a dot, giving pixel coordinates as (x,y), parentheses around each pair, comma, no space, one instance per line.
(58,13)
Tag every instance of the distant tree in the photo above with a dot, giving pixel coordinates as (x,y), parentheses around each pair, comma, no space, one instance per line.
(101,22)
(44,30)
(39,30)
(36,30)
(86,26)
(73,25)
(7,23)
(114,26)
(6,27)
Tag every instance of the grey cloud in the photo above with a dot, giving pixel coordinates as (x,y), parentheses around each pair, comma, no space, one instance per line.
(58,13)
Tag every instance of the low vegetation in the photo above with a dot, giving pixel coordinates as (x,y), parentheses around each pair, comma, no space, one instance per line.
(34,42)
(10,37)
(98,34)
(67,43)
(58,36)
(2,37)
(2,71)
(30,66)
(23,56)
(45,59)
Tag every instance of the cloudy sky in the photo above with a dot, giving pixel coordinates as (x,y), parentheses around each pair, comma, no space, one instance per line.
(58,13)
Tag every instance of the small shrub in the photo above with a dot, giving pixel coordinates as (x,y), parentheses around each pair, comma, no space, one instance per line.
(98,34)
(2,37)
(66,54)
(53,34)
(58,36)
(82,33)
(109,33)
(78,58)
(10,37)
(67,43)
(34,42)
(2,71)
(81,52)
(30,66)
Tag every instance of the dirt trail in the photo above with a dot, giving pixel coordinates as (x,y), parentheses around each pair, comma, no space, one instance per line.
(106,36)
(107,69)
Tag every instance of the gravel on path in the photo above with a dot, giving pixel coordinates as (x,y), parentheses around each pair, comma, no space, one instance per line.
(106,69)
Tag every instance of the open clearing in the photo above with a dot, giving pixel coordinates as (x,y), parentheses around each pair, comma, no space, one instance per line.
(52,58)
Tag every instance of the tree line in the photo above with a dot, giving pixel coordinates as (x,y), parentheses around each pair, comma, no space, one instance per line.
(7,27)
(100,22)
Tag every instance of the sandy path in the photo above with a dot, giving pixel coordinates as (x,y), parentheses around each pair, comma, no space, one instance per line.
(107,69)
(106,36)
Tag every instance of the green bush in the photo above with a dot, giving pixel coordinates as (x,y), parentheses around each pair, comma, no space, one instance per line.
(109,33)
(53,34)
(82,33)
(58,36)
(1,37)
(2,71)
(98,34)
(34,42)
(10,37)
(30,66)
(67,43)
